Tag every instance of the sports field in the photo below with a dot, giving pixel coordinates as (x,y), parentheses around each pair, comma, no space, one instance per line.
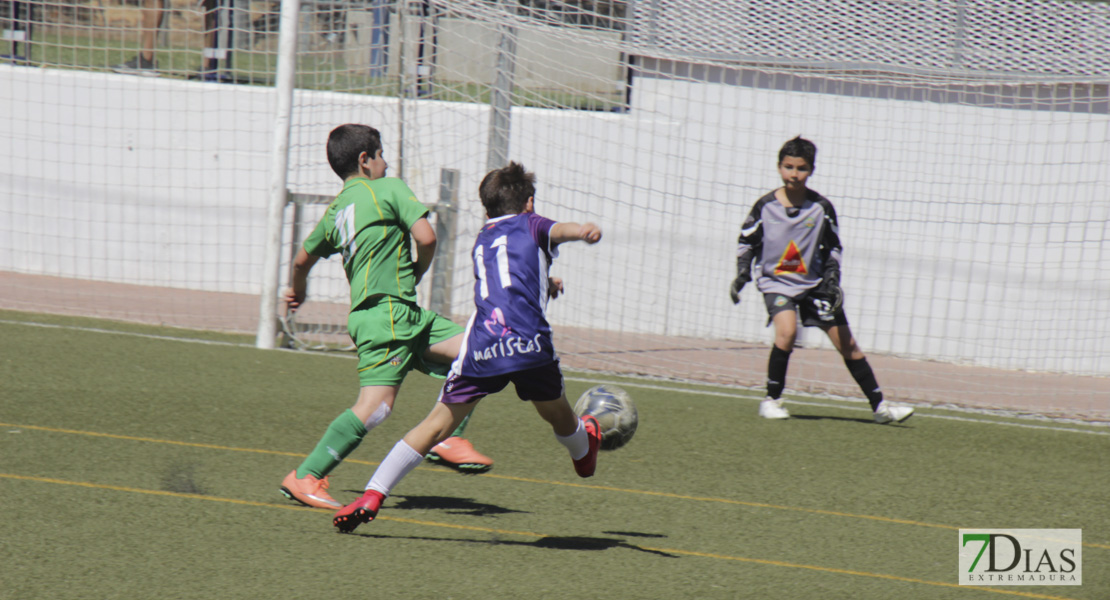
(139,462)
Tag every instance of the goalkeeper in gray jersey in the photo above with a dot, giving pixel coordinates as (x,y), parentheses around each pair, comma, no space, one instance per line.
(790,245)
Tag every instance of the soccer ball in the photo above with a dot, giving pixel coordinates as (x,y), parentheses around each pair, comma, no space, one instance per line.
(614,411)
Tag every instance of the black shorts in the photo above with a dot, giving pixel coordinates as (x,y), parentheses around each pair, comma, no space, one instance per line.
(813,310)
(539,384)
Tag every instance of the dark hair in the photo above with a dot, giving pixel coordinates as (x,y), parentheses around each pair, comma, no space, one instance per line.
(346,142)
(506,191)
(799,147)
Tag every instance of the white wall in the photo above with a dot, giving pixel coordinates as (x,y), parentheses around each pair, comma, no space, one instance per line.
(972,235)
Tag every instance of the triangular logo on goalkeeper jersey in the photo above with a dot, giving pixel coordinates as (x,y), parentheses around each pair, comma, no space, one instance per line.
(791,261)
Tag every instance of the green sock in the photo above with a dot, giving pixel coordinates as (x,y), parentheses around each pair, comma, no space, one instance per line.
(342,437)
(462,427)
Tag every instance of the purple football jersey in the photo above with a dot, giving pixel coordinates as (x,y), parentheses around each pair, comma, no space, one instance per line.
(509,330)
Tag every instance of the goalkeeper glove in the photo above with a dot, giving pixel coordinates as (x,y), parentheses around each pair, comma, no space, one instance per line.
(734,289)
(829,289)
(743,275)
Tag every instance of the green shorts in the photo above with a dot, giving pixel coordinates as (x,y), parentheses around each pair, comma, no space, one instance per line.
(391,336)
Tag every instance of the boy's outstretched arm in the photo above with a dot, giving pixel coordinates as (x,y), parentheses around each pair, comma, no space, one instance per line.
(425,238)
(575,232)
(570,232)
(302,265)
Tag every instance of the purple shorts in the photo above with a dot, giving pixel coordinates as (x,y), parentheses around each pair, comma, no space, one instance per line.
(539,384)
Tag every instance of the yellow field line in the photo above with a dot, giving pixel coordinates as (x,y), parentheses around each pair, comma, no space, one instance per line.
(760,561)
(815,511)
(725,501)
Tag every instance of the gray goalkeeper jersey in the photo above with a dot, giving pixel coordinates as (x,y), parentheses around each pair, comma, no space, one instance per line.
(790,246)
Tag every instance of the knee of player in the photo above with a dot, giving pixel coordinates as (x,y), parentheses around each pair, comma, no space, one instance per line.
(784,340)
(378,417)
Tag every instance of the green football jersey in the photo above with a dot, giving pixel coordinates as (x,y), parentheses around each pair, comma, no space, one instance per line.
(369,223)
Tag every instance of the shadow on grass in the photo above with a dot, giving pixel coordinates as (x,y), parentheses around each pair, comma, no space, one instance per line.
(635,534)
(466,506)
(448,504)
(830,418)
(578,543)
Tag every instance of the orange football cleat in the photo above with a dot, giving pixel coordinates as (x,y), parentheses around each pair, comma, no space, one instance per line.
(308,491)
(459,454)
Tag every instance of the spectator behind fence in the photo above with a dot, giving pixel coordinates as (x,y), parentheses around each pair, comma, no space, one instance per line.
(153,16)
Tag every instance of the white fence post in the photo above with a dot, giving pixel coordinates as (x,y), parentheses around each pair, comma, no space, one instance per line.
(279,162)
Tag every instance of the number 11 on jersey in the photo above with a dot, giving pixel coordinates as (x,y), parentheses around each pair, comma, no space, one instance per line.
(500,246)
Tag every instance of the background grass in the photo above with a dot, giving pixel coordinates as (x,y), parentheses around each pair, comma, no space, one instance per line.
(137,465)
(318,68)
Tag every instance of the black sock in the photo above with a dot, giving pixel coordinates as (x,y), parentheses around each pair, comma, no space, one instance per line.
(865,377)
(776,371)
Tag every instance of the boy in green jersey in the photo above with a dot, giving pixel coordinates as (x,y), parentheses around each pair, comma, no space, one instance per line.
(370,223)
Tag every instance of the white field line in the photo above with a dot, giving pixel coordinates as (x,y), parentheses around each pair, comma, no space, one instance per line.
(585,377)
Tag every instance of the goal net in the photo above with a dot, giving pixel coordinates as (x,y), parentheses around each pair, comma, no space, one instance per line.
(962,142)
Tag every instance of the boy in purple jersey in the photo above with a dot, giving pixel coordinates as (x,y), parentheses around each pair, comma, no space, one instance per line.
(508,338)
(793,238)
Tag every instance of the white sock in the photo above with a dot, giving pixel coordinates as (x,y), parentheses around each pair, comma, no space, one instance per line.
(578,443)
(400,461)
